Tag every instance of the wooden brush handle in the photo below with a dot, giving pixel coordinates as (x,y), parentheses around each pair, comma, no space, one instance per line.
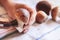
(8,24)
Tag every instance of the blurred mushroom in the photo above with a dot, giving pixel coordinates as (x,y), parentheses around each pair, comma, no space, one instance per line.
(55,13)
(43,6)
(41,16)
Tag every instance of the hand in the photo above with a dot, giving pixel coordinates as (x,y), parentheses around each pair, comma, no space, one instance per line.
(12,10)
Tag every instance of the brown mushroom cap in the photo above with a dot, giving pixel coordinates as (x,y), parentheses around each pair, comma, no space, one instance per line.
(41,17)
(54,13)
(44,6)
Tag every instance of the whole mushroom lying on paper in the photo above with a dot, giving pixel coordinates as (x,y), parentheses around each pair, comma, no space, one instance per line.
(55,14)
(43,9)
